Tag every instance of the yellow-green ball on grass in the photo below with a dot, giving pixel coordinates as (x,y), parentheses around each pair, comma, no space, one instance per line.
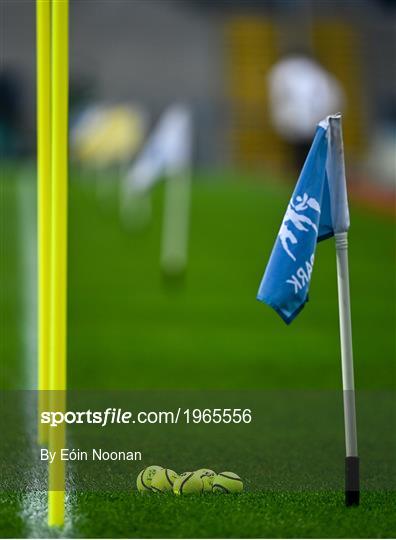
(183,474)
(207,476)
(206,472)
(227,482)
(163,481)
(188,484)
(145,477)
(179,479)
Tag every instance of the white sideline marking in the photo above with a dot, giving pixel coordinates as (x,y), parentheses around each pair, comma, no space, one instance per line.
(27,256)
(34,514)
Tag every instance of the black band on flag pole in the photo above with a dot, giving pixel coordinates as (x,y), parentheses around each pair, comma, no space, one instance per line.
(352,482)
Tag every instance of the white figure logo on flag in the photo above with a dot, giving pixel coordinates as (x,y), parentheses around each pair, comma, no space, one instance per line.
(299,220)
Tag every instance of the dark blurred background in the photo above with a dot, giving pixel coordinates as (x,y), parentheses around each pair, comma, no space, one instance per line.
(217,56)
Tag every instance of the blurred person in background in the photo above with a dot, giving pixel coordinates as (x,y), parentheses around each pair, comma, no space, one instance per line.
(301,93)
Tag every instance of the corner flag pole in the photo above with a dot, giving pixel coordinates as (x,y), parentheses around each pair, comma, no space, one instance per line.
(43,37)
(352,487)
(59,132)
(175,223)
(321,193)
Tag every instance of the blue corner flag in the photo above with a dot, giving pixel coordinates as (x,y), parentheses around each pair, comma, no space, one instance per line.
(317,210)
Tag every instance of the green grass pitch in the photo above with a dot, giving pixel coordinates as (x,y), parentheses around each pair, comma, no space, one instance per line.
(130,330)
